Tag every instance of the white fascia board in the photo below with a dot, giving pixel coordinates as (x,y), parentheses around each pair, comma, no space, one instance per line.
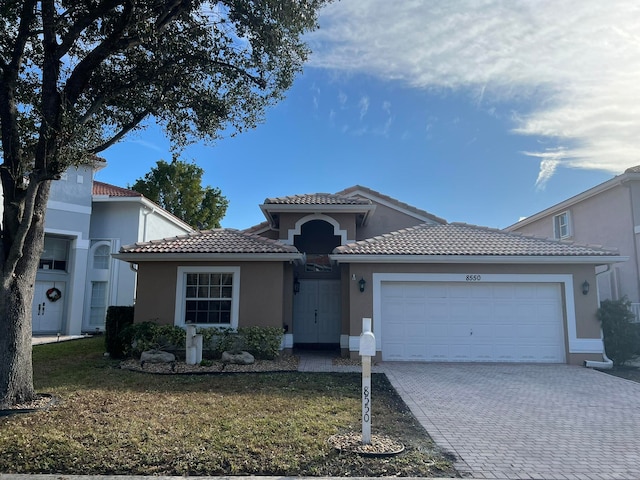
(493,259)
(280,208)
(145,202)
(268,209)
(395,206)
(564,205)
(187,257)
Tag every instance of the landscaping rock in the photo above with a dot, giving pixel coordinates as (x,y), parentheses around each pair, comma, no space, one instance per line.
(153,356)
(240,358)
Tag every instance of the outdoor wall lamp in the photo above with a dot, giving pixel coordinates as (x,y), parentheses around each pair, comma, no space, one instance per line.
(296,286)
(361,284)
(585,287)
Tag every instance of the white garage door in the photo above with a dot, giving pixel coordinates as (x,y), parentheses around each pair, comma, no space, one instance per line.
(472,322)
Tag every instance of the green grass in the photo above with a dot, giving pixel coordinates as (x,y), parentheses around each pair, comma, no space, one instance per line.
(112,421)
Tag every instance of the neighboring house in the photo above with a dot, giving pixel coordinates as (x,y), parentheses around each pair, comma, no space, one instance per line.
(607,214)
(435,291)
(86,222)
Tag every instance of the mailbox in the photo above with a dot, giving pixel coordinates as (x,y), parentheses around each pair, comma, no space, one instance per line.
(367,339)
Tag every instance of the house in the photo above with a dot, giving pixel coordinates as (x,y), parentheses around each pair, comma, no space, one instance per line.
(607,214)
(87,221)
(435,291)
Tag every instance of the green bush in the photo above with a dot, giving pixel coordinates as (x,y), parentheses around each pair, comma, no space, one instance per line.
(118,319)
(621,335)
(218,340)
(144,336)
(262,342)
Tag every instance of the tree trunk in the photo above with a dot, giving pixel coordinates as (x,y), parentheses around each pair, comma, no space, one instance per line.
(16,300)
(16,374)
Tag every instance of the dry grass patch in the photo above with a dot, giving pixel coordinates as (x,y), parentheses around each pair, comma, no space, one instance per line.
(113,421)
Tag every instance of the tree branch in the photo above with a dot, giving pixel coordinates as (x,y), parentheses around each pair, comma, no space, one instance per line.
(123,131)
(85,20)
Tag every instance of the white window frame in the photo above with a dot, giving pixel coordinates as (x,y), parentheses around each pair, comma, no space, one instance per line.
(181,295)
(558,226)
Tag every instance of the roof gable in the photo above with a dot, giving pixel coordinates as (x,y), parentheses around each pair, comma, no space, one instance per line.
(358,191)
(630,174)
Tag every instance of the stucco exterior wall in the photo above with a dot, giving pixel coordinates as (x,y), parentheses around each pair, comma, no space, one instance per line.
(261,292)
(385,220)
(587,325)
(605,219)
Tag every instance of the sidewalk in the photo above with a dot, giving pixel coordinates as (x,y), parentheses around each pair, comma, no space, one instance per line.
(55,339)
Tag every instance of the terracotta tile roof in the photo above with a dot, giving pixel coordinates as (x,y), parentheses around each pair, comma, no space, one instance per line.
(100,188)
(221,240)
(317,199)
(462,239)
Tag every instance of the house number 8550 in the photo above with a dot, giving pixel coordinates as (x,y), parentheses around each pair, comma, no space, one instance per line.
(473,278)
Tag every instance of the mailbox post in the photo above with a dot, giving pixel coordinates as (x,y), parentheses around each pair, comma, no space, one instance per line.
(367,350)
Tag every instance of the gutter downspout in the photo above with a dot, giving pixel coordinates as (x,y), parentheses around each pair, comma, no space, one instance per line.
(606,363)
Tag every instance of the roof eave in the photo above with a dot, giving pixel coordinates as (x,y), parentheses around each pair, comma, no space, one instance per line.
(481,259)
(559,207)
(268,209)
(213,257)
(145,202)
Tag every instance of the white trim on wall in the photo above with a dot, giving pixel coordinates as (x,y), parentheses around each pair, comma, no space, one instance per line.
(317,216)
(178,319)
(576,345)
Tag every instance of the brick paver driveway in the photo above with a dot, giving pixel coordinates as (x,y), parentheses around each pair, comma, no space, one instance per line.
(526,421)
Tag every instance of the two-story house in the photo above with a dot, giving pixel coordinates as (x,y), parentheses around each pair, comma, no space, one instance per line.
(86,222)
(607,214)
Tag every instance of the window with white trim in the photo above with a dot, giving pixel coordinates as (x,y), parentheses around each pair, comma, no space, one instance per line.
(208,296)
(55,254)
(102,257)
(98,309)
(561,228)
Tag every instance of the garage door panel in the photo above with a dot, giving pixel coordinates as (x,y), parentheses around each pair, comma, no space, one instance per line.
(517,322)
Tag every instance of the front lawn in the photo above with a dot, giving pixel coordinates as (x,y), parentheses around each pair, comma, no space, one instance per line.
(113,421)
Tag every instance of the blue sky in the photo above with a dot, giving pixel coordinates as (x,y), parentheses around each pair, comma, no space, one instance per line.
(478,111)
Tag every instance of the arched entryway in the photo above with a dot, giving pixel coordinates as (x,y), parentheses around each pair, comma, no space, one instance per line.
(317,317)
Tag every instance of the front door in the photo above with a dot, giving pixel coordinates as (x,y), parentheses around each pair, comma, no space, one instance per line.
(47,311)
(316,312)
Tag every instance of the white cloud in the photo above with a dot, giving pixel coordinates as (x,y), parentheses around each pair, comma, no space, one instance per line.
(576,61)
(342,99)
(364,106)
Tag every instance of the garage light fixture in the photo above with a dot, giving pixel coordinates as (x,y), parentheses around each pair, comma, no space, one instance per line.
(585,287)
(296,286)
(361,284)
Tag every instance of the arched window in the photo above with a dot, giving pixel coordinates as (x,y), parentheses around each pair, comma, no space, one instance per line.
(102,257)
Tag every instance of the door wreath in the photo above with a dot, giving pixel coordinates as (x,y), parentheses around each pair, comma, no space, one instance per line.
(53,294)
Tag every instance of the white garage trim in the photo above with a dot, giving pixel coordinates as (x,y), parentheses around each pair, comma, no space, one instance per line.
(575,345)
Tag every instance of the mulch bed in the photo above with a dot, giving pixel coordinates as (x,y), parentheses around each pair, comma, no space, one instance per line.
(283,363)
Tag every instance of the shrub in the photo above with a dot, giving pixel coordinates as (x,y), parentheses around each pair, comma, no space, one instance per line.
(144,336)
(621,335)
(218,340)
(262,342)
(118,319)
